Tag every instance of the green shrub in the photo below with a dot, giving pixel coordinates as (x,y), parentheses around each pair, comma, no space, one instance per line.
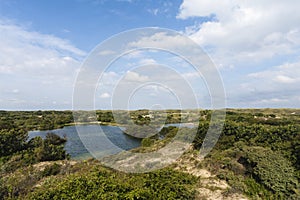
(50,170)
(271,169)
(147,142)
(52,148)
(12,141)
(107,184)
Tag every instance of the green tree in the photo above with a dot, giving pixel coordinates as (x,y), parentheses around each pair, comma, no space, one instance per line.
(52,148)
(12,141)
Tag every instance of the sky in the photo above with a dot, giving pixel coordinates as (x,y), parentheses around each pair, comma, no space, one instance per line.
(254,45)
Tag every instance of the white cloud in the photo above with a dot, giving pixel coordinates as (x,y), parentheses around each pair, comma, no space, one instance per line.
(195,8)
(15,91)
(134,54)
(273,100)
(190,75)
(105,95)
(242,31)
(284,74)
(135,77)
(109,78)
(258,38)
(277,86)
(156,88)
(24,51)
(164,8)
(153,11)
(37,64)
(66,31)
(284,79)
(147,61)
(161,40)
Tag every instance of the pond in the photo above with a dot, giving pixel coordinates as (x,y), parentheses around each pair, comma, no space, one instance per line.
(75,147)
(77,150)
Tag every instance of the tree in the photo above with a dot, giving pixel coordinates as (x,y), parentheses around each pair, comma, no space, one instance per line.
(12,141)
(52,148)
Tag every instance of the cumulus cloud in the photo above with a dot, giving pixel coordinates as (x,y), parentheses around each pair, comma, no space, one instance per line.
(147,61)
(258,38)
(240,31)
(42,66)
(285,79)
(24,51)
(161,40)
(135,77)
(104,95)
(191,75)
(109,78)
(15,91)
(277,86)
(288,73)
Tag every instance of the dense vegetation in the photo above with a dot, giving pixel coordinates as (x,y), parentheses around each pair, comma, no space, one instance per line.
(258,154)
(22,165)
(102,183)
(34,120)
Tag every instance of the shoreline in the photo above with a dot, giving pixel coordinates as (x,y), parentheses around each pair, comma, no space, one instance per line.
(91,123)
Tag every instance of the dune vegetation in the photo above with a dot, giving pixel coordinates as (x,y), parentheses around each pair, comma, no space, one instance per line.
(256,157)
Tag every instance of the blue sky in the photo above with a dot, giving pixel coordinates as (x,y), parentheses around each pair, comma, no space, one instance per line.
(255,46)
(87,22)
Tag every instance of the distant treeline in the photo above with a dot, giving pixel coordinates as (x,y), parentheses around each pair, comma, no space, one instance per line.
(49,120)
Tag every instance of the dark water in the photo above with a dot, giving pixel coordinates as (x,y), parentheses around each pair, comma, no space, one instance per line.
(75,147)
(95,140)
